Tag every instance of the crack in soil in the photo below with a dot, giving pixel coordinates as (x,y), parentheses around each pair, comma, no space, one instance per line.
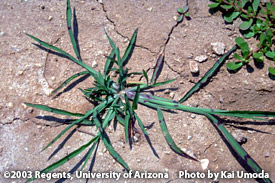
(14,119)
(125,37)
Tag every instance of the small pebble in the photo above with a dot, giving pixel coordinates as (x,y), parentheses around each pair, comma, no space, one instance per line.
(29,110)
(267,155)
(166,91)
(23,105)
(213,56)
(50,18)
(201,58)
(189,56)
(21,72)
(2,33)
(194,68)
(26,149)
(172,95)
(221,99)
(218,48)
(150,9)
(189,137)
(204,163)
(94,64)
(193,116)
(195,104)
(135,138)
(10,104)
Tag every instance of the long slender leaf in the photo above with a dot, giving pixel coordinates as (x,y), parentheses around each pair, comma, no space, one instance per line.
(69,80)
(207,75)
(69,26)
(146,76)
(53,110)
(109,63)
(47,45)
(236,146)
(126,127)
(145,86)
(169,139)
(112,151)
(151,102)
(130,48)
(90,153)
(141,125)
(135,101)
(99,108)
(66,158)
(158,68)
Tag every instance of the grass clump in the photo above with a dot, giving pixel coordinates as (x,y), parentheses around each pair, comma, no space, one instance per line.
(258,21)
(117,102)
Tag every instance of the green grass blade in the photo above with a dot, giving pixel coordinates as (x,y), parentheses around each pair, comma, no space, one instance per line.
(111,41)
(127,125)
(120,120)
(135,101)
(66,158)
(158,68)
(130,48)
(146,76)
(207,75)
(141,125)
(112,151)
(53,110)
(253,113)
(150,101)
(237,147)
(97,122)
(169,139)
(109,63)
(145,86)
(69,80)
(47,45)
(90,153)
(99,108)
(110,115)
(69,26)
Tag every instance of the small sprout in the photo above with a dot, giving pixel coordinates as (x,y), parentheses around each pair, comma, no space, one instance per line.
(183,13)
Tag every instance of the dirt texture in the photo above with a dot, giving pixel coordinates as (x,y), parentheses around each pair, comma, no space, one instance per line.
(28,74)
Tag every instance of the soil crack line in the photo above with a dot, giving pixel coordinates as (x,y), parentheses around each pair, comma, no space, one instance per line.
(125,37)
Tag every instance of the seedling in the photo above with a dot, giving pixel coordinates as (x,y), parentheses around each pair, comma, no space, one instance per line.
(183,13)
(117,101)
(258,21)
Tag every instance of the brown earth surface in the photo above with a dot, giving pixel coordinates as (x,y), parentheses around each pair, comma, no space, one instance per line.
(29,73)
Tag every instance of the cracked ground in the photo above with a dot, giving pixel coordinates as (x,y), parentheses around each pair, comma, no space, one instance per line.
(28,74)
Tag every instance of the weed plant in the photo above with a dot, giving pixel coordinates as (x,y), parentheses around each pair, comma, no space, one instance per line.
(258,21)
(117,102)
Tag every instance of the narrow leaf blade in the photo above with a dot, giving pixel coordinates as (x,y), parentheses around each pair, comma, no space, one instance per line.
(112,151)
(69,26)
(169,139)
(158,68)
